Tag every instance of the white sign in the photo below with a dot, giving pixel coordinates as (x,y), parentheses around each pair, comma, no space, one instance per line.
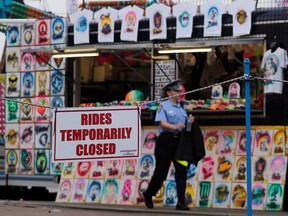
(91,133)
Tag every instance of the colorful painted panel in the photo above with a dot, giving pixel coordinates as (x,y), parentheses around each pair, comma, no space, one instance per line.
(42,111)
(239,196)
(42,83)
(240,169)
(263,142)
(83,169)
(146,166)
(43,135)
(13,84)
(211,141)
(43,59)
(58,30)
(113,169)
(27,84)
(42,162)
(12,136)
(222,194)
(126,193)
(259,192)
(27,62)
(13,34)
(279,142)
(191,193)
(260,166)
(227,144)
(224,168)
(27,135)
(98,169)
(65,190)
(43,32)
(57,82)
(192,173)
(69,170)
(13,59)
(207,168)
(27,161)
(241,142)
(110,191)
(27,110)
(149,140)
(28,34)
(130,169)
(274,199)
(170,194)
(79,190)
(12,161)
(158,199)
(94,191)
(205,194)
(142,185)
(277,169)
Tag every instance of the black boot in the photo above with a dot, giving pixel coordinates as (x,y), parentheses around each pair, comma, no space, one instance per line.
(148,200)
(181,206)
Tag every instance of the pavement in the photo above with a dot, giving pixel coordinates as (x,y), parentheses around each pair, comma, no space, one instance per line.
(70,209)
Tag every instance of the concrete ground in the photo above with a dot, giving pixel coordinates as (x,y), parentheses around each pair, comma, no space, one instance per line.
(43,208)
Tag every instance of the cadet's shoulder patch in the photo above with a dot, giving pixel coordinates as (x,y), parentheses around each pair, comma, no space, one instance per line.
(159,107)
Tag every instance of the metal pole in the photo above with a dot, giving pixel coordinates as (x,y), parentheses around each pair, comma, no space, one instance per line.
(248,135)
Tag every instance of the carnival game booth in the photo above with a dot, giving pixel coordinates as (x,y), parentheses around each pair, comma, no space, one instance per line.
(220,111)
(137,65)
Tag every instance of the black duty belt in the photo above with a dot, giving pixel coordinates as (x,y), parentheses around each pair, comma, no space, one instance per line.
(171,134)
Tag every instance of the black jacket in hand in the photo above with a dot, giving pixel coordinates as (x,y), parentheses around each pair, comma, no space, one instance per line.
(191,145)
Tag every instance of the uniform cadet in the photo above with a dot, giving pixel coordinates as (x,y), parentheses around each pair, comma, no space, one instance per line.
(171,118)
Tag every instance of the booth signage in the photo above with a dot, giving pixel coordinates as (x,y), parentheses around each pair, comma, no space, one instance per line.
(92,133)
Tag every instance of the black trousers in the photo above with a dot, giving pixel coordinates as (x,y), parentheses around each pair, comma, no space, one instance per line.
(165,150)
